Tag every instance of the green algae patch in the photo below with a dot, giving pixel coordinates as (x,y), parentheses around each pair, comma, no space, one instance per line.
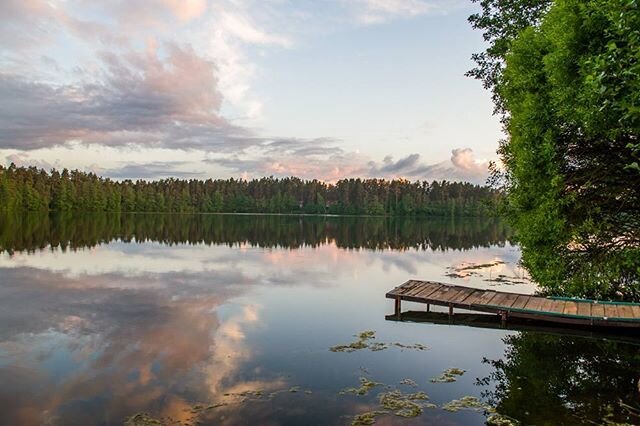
(416,346)
(404,405)
(366,335)
(378,346)
(142,419)
(448,376)
(466,403)
(409,382)
(362,343)
(365,386)
(497,419)
(367,418)
(365,342)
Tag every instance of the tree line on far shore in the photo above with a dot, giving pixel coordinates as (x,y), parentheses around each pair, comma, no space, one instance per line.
(33,189)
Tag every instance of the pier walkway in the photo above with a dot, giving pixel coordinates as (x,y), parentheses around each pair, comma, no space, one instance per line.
(505,304)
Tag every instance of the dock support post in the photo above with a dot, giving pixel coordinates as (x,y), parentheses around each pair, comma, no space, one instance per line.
(397,307)
(503,318)
(450,312)
(428,307)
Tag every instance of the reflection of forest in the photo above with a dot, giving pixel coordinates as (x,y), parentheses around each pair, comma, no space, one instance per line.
(36,231)
(553,379)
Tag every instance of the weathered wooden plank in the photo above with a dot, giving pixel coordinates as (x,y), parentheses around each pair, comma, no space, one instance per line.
(417,289)
(548,305)
(504,300)
(403,287)
(625,311)
(584,309)
(571,308)
(610,311)
(410,288)
(428,290)
(521,301)
(453,294)
(535,303)
(474,297)
(597,310)
(486,298)
(636,311)
(462,295)
(556,306)
(442,293)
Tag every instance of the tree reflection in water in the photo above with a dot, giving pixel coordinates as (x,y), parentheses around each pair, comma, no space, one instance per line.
(556,379)
(33,232)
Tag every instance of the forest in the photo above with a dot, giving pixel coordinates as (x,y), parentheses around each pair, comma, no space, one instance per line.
(33,189)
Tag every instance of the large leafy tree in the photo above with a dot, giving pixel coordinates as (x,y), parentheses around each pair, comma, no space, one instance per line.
(567,85)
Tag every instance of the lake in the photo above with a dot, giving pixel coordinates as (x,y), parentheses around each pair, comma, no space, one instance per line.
(224,319)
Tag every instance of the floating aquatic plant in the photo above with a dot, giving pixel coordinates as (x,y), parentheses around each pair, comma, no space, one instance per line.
(367,418)
(466,403)
(142,419)
(416,346)
(497,419)
(404,405)
(378,346)
(361,343)
(364,342)
(408,382)
(365,386)
(449,375)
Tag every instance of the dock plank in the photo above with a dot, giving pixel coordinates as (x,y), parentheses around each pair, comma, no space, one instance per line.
(534,304)
(414,291)
(571,308)
(597,310)
(485,299)
(504,300)
(429,289)
(584,309)
(462,295)
(556,306)
(610,311)
(521,301)
(474,297)
(625,311)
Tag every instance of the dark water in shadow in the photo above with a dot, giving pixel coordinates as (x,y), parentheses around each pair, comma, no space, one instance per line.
(102,317)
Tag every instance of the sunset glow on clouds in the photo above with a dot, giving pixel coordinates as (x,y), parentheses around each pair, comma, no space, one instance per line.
(202,88)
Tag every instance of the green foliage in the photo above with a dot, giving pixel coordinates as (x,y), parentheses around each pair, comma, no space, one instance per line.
(569,88)
(572,380)
(35,190)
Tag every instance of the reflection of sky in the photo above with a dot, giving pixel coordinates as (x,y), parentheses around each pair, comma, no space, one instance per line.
(93,335)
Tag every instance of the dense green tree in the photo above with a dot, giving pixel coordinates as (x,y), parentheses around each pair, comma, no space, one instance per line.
(35,190)
(568,86)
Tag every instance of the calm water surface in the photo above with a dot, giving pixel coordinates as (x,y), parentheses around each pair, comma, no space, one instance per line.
(229,320)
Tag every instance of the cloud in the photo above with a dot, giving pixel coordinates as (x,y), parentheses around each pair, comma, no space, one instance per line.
(464,160)
(378,11)
(321,159)
(151,171)
(241,27)
(140,98)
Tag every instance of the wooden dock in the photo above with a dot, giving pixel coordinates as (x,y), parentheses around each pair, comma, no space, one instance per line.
(505,304)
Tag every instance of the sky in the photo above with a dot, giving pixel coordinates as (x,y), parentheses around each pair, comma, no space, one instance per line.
(319,89)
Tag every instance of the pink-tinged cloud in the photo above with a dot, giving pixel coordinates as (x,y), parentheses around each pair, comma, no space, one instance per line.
(464,160)
(165,98)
